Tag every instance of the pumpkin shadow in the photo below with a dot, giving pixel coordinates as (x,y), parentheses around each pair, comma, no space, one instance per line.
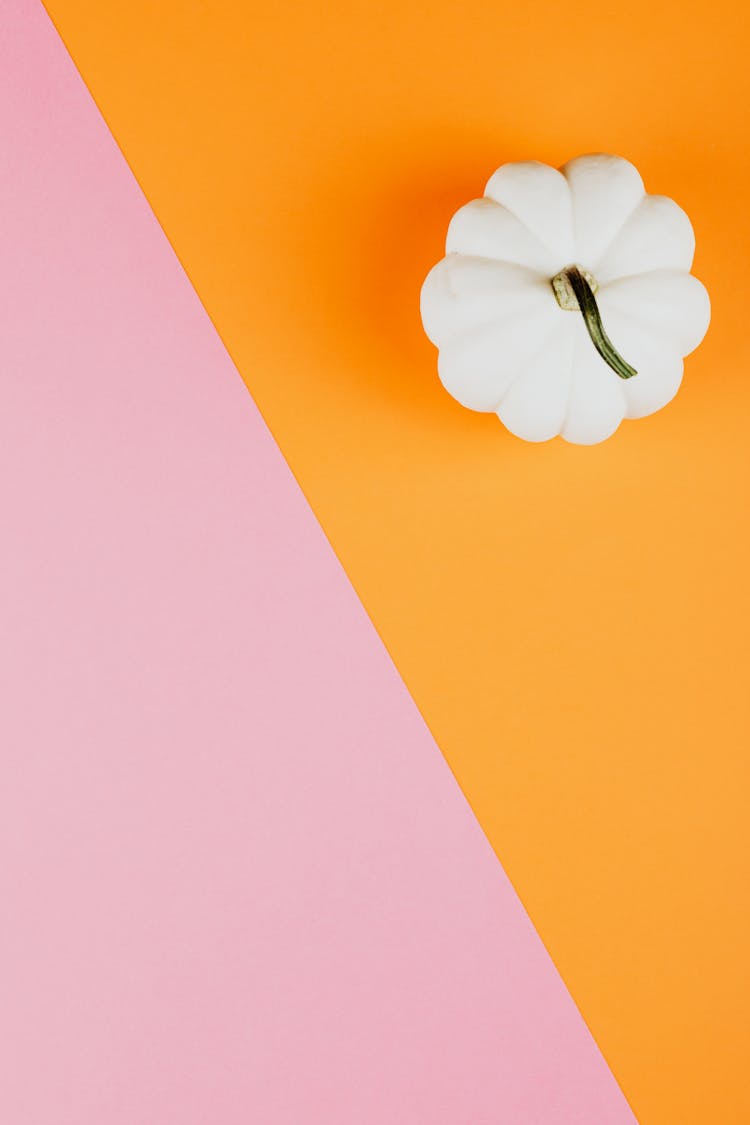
(396,236)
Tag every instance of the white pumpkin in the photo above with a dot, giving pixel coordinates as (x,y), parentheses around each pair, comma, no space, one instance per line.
(565,301)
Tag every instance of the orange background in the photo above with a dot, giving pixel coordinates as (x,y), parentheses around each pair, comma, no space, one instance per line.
(571,621)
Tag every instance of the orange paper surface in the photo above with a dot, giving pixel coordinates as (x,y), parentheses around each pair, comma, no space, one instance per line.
(571,621)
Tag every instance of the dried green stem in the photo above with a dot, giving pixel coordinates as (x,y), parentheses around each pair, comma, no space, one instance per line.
(573,279)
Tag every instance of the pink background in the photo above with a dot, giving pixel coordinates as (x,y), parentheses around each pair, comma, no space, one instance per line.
(238,882)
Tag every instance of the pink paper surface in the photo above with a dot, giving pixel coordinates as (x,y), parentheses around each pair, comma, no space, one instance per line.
(238,882)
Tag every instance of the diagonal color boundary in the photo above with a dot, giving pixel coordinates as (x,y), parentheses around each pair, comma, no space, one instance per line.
(239,881)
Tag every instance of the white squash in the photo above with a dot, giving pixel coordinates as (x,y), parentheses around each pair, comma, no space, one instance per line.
(565,301)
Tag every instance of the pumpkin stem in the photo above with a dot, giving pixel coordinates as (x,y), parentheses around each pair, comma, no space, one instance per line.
(573,290)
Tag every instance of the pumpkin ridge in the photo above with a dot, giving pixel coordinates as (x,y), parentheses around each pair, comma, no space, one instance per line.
(593,156)
(525,225)
(582,355)
(521,403)
(650,327)
(532,308)
(450,293)
(677,213)
(535,273)
(530,315)
(650,347)
(531,359)
(573,354)
(666,271)
(618,232)
(450,354)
